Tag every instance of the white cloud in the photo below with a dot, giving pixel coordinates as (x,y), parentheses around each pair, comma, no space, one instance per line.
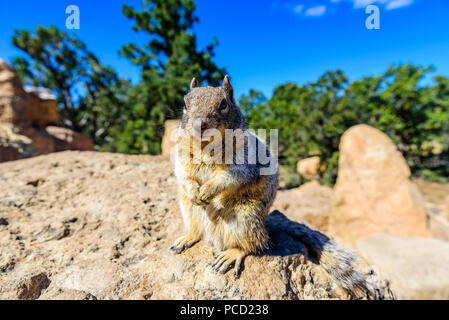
(389,4)
(365,3)
(394,4)
(315,11)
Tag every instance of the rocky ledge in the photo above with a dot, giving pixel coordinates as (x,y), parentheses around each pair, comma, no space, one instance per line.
(86,225)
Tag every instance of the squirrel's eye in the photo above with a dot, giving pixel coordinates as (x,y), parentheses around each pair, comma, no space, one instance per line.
(223,105)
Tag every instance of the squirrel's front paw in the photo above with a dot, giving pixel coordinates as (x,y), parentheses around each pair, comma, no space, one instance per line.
(184,242)
(204,195)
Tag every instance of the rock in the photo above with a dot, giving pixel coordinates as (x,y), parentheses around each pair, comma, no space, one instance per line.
(168,140)
(14,145)
(309,168)
(436,196)
(373,192)
(43,110)
(31,288)
(99,226)
(310,203)
(24,113)
(42,141)
(438,227)
(417,267)
(66,139)
(13,99)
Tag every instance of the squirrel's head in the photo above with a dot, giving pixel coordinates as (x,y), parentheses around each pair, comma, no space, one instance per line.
(212,107)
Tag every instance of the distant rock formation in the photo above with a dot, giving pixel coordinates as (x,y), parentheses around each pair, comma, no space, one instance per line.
(311,203)
(374,193)
(309,168)
(25,116)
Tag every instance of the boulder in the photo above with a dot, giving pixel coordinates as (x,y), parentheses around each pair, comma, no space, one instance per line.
(373,193)
(309,168)
(24,113)
(66,139)
(86,225)
(169,138)
(417,267)
(310,203)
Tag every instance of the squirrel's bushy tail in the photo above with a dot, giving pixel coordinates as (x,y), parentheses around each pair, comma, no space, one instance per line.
(339,264)
(336,261)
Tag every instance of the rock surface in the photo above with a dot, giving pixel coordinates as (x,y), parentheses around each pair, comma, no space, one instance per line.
(418,267)
(86,225)
(24,115)
(373,192)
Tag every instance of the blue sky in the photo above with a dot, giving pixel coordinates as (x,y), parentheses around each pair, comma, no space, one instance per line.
(266,42)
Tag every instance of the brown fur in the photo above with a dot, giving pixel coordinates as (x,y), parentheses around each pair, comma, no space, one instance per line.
(224,204)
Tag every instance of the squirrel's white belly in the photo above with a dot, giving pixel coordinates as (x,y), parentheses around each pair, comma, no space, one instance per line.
(203,175)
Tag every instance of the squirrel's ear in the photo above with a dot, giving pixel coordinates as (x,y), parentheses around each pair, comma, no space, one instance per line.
(193,83)
(228,88)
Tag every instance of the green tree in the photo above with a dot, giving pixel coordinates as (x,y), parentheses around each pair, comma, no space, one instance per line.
(167,62)
(62,63)
(311,118)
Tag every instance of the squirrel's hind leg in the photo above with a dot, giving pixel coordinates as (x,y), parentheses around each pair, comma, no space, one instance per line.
(243,233)
(227,258)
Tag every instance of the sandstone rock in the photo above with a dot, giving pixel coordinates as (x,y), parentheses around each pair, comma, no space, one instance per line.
(417,267)
(99,226)
(373,192)
(168,140)
(42,141)
(14,145)
(23,113)
(8,153)
(27,106)
(309,168)
(438,227)
(13,99)
(43,109)
(66,139)
(310,203)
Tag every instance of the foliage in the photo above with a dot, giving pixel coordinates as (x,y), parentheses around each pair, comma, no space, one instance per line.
(312,117)
(168,62)
(62,63)
(402,102)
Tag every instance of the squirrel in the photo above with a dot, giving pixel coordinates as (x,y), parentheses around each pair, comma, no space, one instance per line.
(226,204)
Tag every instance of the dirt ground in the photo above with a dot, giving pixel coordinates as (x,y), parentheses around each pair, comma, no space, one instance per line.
(436,196)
